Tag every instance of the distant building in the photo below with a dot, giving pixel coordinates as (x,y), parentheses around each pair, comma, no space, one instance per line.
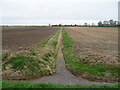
(105,23)
(112,23)
(108,23)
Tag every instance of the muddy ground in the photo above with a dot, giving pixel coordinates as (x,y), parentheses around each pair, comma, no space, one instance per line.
(17,38)
(99,44)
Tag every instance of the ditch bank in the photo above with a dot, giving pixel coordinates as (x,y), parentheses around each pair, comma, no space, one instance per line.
(32,63)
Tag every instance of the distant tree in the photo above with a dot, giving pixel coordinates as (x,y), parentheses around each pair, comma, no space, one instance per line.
(100,23)
(93,24)
(85,24)
(60,24)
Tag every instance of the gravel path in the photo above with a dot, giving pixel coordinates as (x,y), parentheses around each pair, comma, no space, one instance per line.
(62,75)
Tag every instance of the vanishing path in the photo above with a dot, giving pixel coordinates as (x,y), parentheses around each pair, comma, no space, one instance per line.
(62,75)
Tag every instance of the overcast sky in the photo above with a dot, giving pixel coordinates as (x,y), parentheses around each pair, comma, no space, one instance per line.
(35,11)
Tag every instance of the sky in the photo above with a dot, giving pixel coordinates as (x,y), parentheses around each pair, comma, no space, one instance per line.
(35,12)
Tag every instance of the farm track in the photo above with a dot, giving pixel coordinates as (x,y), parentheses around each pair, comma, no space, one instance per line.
(62,75)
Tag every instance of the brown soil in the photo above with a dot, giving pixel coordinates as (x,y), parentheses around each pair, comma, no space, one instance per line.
(17,38)
(10,74)
(99,44)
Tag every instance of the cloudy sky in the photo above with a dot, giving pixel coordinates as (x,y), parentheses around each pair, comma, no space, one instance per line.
(46,11)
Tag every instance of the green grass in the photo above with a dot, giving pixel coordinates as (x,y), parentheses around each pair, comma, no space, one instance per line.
(47,56)
(28,65)
(22,62)
(1,56)
(21,84)
(18,62)
(54,44)
(33,52)
(45,41)
(73,63)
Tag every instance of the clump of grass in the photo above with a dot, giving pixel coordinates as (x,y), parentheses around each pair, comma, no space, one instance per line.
(48,55)
(21,84)
(22,62)
(98,69)
(54,44)
(45,41)
(18,62)
(33,52)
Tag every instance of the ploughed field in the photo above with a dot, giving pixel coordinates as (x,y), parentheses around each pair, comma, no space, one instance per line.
(17,38)
(92,52)
(37,56)
(94,44)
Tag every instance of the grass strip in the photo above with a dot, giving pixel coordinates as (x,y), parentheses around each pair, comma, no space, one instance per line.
(21,84)
(45,41)
(73,63)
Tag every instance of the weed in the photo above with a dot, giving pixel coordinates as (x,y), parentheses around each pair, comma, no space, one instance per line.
(54,44)
(33,52)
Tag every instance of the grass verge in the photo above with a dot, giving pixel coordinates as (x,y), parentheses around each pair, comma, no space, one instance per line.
(74,64)
(31,63)
(20,84)
(45,41)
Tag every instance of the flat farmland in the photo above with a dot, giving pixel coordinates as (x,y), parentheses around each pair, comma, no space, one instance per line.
(95,44)
(15,38)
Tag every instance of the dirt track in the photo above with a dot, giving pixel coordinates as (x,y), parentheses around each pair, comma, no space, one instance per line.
(15,38)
